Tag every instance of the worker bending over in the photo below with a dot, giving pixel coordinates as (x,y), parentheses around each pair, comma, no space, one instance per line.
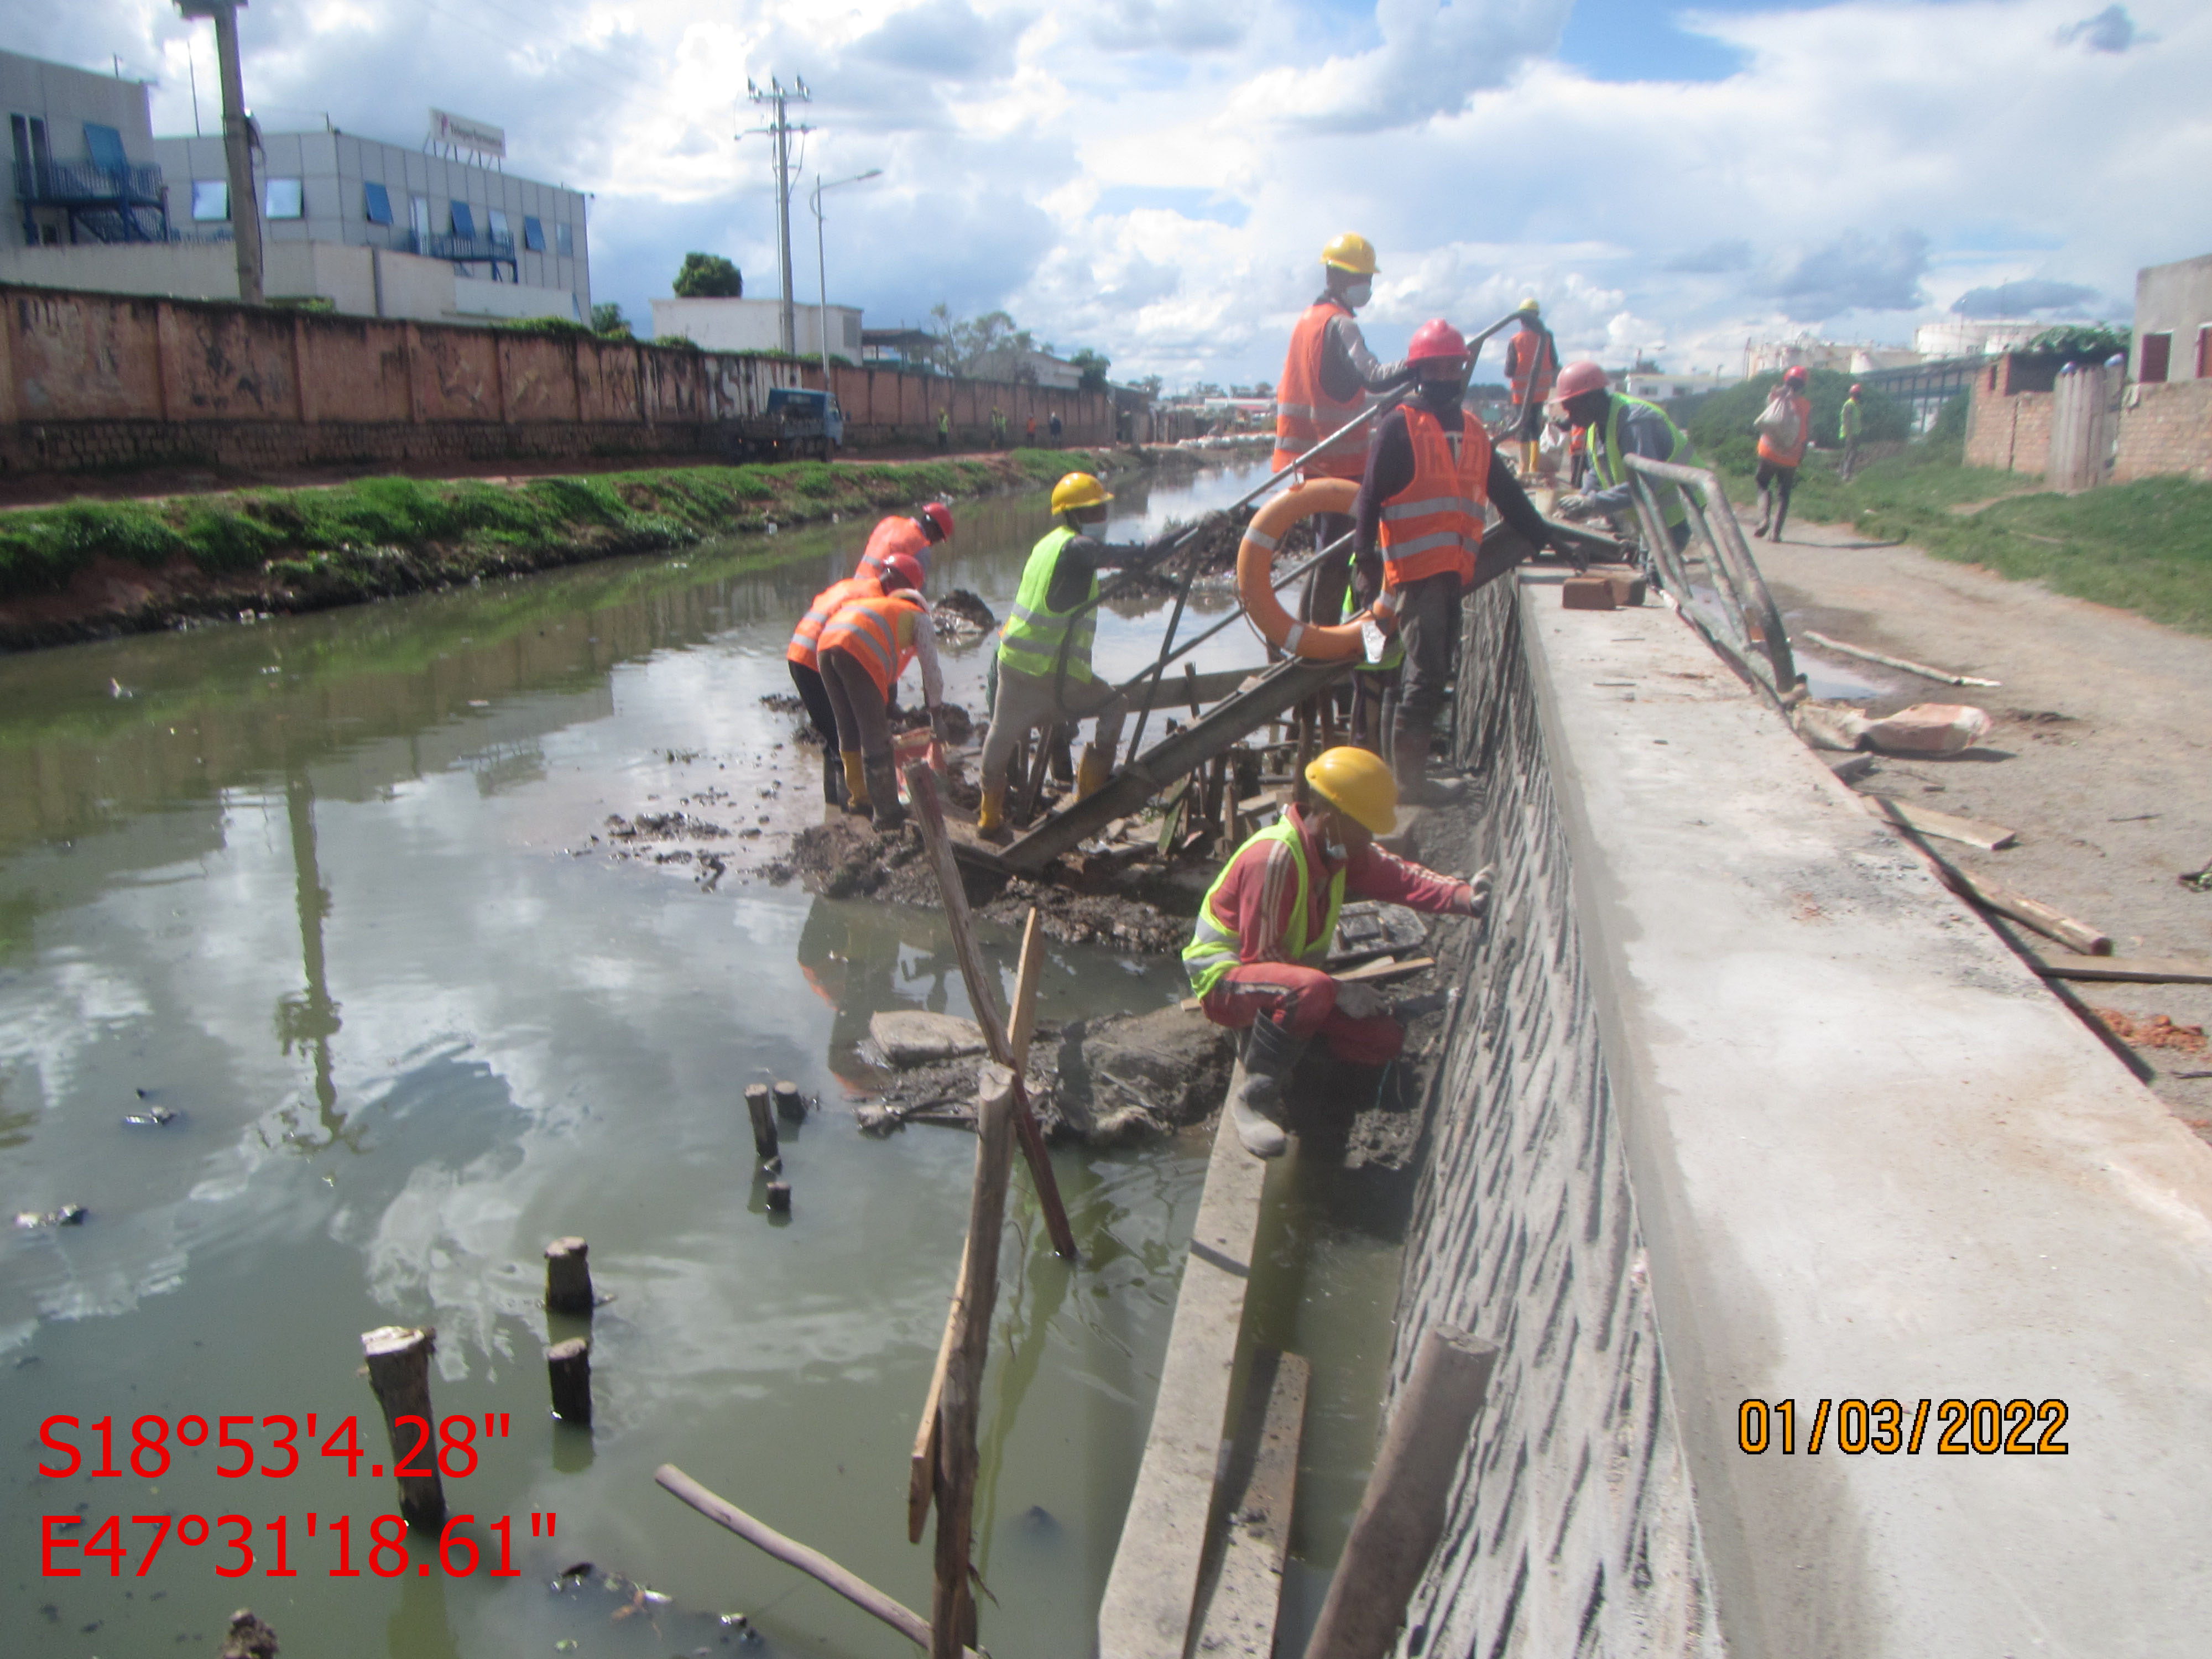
(865,646)
(1269,920)
(1327,375)
(1532,365)
(1060,578)
(913,534)
(1615,426)
(901,571)
(1419,539)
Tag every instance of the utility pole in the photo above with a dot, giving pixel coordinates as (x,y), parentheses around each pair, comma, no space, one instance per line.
(777,96)
(237,144)
(821,259)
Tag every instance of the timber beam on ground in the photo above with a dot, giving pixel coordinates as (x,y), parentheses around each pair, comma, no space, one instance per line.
(1276,690)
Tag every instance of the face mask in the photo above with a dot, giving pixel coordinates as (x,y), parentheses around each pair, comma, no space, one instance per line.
(1441,394)
(1355,296)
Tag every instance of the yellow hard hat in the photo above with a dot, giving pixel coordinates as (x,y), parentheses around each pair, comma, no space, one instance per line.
(1355,780)
(1079,490)
(1353,253)
(1529,308)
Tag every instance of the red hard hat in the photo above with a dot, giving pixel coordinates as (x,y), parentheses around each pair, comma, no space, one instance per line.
(1856,389)
(1578,378)
(1798,376)
(940,515)
(1436,338)
(902,570)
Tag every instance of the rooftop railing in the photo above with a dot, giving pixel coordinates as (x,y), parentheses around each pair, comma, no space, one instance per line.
(80,184)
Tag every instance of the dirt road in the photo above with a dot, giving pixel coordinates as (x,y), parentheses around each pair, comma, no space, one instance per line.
(2101,757)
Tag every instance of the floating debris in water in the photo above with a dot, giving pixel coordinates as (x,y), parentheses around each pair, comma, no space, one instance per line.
(152,1118)
(69,1215)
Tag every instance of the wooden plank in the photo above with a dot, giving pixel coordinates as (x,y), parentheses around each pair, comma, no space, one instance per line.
(2074,935)
(1383,970)
(1990,837)
(1919,668)
(1151,1591)
(921,1478)
(2141,970)
(1247,1593)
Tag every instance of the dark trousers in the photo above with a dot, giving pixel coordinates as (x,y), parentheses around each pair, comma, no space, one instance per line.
(816,697)
(1324,596)
(1428,620)
(1775,482)
(864,727)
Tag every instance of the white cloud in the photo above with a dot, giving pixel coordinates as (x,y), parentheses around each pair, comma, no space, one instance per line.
(1155,177)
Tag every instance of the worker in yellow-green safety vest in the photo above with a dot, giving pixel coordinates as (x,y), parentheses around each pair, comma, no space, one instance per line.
(1621,426)
(1051,610)
(1256,956)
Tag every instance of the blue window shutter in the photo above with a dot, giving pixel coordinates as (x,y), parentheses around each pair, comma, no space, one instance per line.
(376,204)
(105,145)
(533,235)
(464,225)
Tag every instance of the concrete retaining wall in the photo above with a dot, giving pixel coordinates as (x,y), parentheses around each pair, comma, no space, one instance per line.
(97,380)
(1740,1104)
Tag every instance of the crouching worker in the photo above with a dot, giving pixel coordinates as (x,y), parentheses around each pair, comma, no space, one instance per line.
(804,653)
(1266,924)
(865,646)
(1043,629)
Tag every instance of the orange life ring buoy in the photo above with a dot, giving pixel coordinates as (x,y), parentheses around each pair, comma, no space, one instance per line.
(1256,566)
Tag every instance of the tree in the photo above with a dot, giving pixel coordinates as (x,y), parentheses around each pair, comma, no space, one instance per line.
(607,319)
(1094,365)
(710,276)
(2082,342)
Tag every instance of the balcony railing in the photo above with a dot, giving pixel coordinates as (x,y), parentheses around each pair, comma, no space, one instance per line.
(463,249)
(80,184)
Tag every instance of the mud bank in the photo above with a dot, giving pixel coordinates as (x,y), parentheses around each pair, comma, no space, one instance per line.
(97,569)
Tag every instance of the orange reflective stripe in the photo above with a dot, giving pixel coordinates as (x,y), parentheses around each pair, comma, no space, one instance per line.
(878,633)
(1435,523)
(805,642)
(1305,414)
(896,534)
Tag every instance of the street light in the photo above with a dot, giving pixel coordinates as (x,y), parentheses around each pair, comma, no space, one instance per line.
(821,270)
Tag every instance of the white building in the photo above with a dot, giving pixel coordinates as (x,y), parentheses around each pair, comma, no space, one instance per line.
(1844,356)
(1658,386)
(1027,368)
(1974,337)
(96,201)
(757,325)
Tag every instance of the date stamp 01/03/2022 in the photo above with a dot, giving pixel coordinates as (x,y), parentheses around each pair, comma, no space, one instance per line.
(271,1448)
(1986,1428)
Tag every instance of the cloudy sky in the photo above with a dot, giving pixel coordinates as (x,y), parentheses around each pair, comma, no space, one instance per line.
(1155,177)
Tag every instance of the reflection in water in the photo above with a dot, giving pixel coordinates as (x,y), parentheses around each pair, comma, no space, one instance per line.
(532,1043)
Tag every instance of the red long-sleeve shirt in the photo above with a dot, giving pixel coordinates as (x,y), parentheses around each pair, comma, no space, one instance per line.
(1258,896)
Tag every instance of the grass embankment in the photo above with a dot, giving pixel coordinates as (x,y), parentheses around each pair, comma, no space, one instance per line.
(2144,547)
(310,547)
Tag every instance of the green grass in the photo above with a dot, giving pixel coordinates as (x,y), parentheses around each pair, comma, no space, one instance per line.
(2144,547)
(348,538)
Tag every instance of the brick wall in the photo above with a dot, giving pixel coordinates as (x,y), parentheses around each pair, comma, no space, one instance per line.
(98,380)
(2008,426)
(2166,431)
(1572,1528)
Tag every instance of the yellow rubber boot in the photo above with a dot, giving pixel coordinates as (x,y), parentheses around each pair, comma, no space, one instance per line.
(1091,772)
(856,782)
(991,812)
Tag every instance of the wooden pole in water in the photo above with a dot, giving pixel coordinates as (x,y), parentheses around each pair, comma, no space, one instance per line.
(568,1277)
(1402,1514)
(399,1371)
(756,1104)
(982,997)
(789,1551)
(952,1606)
(788,1105)
(568,1371)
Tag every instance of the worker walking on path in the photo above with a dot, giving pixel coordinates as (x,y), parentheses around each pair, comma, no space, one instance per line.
(1041,634)
(1847,432)
(1785,427)
(911,533)
(1417,540)
(944,428)
(1327,374)
(901,571)
(1616,426)
(865,646)
(1532,365)
(1268,921)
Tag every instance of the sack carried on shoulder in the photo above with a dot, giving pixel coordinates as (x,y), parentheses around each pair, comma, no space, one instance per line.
(1778,424)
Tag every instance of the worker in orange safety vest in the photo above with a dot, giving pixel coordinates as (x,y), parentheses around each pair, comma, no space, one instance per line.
(1531,364)
(865,647)
(1327,374)
(804,655)
(1431,475)
(915,534)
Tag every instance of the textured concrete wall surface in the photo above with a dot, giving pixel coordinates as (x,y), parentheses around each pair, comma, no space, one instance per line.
(90,379)
(1742,1105)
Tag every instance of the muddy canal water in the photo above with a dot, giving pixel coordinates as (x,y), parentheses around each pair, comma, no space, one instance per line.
(324,888)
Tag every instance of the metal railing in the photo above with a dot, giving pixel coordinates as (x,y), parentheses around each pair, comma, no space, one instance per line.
(479,250)
(80,184)
(1733,609)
